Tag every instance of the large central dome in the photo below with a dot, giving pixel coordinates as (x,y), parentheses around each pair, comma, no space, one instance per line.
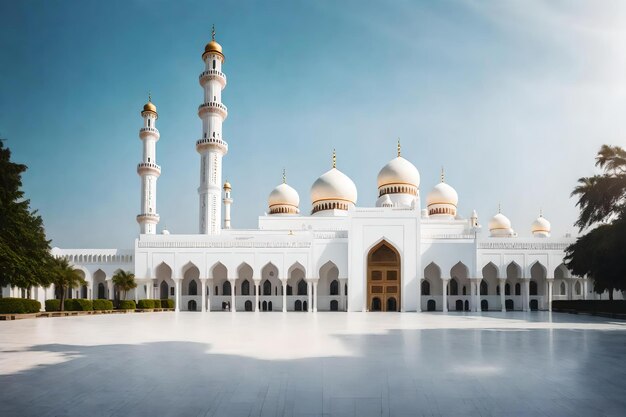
(399,171)
(333,190)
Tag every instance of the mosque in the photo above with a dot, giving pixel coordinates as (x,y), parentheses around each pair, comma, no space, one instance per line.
(401,254)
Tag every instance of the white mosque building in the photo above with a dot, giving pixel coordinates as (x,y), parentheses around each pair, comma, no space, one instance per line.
(404,253)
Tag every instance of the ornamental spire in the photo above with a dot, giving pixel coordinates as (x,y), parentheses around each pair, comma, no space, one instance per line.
(334,159)
(213,32)
(398,147)
(149,97)
(499,208)
(443,175)
(284,177)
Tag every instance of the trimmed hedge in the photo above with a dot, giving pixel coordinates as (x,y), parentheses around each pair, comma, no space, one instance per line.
(126,305)
(19,306)
(146,304)
(53,305)
(167,303)
(590,306)
(102,305)
(78,304)
(157,303)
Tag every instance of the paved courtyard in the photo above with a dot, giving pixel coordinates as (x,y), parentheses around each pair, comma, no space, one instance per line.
(324,364)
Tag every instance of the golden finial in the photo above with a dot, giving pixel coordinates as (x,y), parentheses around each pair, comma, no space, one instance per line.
(284,176)
(334,159)
(443,176)
(398,147)
(213,32)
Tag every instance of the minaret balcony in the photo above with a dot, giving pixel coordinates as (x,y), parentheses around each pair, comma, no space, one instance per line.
(206,76)
(148,168)
(149,131)
(148,218)
(211,143)
(213,107)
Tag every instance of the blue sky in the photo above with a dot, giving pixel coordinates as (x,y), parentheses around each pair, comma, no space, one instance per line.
(513,98)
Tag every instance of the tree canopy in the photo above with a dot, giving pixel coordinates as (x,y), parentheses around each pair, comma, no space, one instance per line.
(24,250)
(600,254)
(124,281)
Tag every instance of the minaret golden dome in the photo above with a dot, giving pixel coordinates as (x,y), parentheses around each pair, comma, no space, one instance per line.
(227,186)
(149,106)
(213,47)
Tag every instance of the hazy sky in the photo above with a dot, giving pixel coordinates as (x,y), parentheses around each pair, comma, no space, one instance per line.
(513,98)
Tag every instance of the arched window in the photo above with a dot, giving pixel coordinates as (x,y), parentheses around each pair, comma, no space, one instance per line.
(497,290)
(226,288)
(267,287)
(213,64)
(425,287)
(518,289)
(577,288)
(302,287)
(245,287)
(454,287)
(334,287)
(164,290)
(193,287)
(507,289)
(563,290)
(484,287)
(533,288)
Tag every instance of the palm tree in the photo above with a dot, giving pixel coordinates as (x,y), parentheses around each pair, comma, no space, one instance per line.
(124,281)
(64,277)
(600,253)
(602,198)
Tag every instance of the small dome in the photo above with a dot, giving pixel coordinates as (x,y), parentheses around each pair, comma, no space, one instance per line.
(499,222)
(283,195)
(165,232)
(227,186)
(149,107)
(213,47)
(540,226)
(399,171)
(333,185)
(442,193)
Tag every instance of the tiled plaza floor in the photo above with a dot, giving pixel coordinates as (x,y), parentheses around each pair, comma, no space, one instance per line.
(323,364)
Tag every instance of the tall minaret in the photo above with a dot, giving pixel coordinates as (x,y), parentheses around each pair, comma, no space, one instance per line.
(228,200)
(148,170)
(211,146)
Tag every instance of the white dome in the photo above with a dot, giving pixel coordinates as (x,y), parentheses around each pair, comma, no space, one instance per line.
(399,171)
(499,222)
(333,185)
(540,225)
(284,195)
(442,193)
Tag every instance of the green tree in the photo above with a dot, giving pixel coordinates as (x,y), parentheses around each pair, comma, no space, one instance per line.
(64,277)
(600,253)
(24,250)
(124,281)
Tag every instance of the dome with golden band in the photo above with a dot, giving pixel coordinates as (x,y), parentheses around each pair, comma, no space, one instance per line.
(442,200)
(213,47)
(541,227)
(149,107)
(333,190)
(284,200)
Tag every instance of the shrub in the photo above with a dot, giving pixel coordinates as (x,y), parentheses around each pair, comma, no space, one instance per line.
(127,305)
(157,303)
(53,305)
(167,303)
(78,304)
(102,305)
(146,304)
(19,306)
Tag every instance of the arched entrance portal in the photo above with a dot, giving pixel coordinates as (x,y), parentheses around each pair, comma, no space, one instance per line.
(383,278)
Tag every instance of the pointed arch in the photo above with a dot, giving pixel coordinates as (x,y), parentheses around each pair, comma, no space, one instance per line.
(384,280)
(513,270)
(490,270)
(432,272)
(460,271)
(561,272)
(538,271)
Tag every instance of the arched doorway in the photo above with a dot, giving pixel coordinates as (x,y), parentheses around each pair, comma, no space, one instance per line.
(191,305)
(484,305)
(101,295)
(298,305)
(248,305)
(334,305)
(459,305)
(431,305)
(383,278)
(164,290)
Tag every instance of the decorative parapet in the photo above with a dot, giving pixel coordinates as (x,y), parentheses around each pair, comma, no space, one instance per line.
(341,234)
(224,244)
(524,245)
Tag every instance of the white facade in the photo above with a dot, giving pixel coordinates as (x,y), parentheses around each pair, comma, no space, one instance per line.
(399,255)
